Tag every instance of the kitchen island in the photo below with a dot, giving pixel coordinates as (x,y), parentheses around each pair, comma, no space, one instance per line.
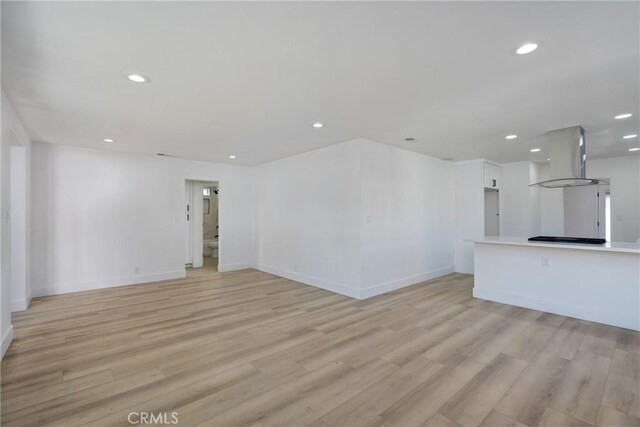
(600,283)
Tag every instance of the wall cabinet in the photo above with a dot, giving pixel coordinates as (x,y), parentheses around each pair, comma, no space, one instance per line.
(492,176)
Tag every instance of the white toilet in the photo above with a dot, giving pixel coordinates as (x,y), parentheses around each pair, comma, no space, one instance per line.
(214,248)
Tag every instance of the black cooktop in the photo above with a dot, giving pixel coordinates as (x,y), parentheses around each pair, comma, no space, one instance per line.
(556,239)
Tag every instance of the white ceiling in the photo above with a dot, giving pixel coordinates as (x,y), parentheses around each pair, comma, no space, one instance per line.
(250,78)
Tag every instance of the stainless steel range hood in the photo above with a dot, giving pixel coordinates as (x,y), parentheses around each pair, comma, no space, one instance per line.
(567,160)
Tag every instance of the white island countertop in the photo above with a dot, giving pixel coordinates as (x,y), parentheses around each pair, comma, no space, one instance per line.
(625,247)
(599,283)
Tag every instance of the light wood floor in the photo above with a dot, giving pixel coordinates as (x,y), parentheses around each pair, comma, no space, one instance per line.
(251,349)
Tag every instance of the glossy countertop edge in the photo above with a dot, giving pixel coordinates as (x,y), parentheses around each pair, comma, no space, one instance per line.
(625,247)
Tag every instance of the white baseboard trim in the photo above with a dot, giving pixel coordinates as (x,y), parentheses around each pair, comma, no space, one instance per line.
(234,267)
(20,304)
(383,288)
(67,288)
(309,280)
(579,312)
(6,341)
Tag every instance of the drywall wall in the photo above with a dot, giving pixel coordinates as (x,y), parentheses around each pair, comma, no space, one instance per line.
(20,213)
(469,211)
(6,329)
(307,217)
(407,217)
(551,207)
(541,210)
(14,219)
(518,201)
(624,175)
(106,218)
(358,218)
(535,200)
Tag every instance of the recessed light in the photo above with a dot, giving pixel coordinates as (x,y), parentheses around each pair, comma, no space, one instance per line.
(317,125)
(629,136)
(108,140)
(526,48)
(409,139)
(548,160)
(138,78)
(232,156)
(511,137)
(622,116)
(534,150)
(634,149)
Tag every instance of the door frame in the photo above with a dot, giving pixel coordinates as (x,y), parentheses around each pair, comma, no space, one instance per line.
(194,228)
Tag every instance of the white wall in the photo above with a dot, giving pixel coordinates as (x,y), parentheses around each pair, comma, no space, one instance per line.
(358,218)
(551,207)
(20,213)
(14,218)
(469,211)
(541,210)
(535,200)
(104,218)
(407,217)
(624,174)
(6,329)
(518,214)
(307,217)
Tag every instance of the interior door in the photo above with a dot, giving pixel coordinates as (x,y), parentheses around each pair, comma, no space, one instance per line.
(602,211)
(196,225)
(188,213)
(491,213)
(581,211)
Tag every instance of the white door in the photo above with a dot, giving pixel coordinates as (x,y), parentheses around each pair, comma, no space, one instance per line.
(196,225)
(188,195)
(602,211)
(491,213)
(581,211)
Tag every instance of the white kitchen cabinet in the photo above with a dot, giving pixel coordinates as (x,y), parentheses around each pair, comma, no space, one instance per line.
(492,176)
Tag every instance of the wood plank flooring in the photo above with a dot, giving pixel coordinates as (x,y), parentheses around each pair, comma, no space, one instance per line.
(252,349)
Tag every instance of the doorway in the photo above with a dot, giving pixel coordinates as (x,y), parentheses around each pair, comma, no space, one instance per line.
(491,212)
(202,249)
(586,213)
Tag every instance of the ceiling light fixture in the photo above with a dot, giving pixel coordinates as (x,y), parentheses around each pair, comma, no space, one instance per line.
(634,149)
(629,136)
(317,125)
(108,140)
(138,78)
(511,137)
(622,116)
(534,150)
(526,48)
(232,156)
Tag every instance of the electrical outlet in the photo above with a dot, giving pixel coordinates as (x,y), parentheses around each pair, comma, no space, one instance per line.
(545,262)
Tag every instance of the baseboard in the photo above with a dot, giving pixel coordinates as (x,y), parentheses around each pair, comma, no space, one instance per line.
(107,283)
(6,341)
(569,310)
(20,304)
(393,285)
(309,280)
(234,267)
